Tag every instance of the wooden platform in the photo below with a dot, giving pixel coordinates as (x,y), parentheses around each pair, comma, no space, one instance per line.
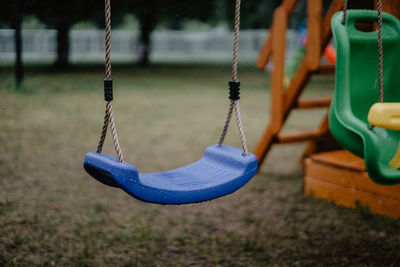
(340,176)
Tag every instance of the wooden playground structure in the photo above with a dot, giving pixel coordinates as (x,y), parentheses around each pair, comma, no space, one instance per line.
(330,172)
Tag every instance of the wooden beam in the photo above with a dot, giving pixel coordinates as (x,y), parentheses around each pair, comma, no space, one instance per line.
(296,137)
(303,73)
(391,7)
(349,197)
(325,69)
(313,103)
(340,176)
(289,5)
(314,20)
(280,22)
(296,87)
(266,49)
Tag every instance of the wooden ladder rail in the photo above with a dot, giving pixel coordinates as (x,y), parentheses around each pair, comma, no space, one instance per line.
(284,102)
(266,48)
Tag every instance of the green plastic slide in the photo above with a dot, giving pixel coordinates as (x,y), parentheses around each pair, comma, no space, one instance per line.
(356,90)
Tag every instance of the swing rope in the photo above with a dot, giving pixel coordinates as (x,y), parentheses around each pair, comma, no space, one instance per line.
(380,44)
(345,4)
(234,89)
(108,91)
(380,51)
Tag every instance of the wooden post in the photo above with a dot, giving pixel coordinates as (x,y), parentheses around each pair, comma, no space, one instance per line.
(314,20)
(278,49)
(284,102)
(391,7)
(341,177)
(266,48)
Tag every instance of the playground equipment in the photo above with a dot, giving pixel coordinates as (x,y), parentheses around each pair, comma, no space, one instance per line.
(329,171)
(222,170)
(283,102)
(357,91)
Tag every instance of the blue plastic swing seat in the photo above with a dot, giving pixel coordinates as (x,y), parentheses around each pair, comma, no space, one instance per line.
(221,171)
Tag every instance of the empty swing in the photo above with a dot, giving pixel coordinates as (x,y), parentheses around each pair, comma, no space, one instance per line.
(363,126)
(222,169)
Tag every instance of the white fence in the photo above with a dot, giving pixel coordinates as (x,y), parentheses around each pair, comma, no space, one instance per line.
(167,46)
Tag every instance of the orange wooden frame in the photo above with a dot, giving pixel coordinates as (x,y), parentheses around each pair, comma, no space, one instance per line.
(341,177)
(338,175)
(284,101)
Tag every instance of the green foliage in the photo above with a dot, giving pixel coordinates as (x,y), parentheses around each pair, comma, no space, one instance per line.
(172,14)
(195,25)
(255,14)
(8,11)
(129,22)
(54,13)
(32,22)
(85,24)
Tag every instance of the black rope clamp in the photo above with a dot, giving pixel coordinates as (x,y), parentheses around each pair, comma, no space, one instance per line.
(108,89)
(234,90)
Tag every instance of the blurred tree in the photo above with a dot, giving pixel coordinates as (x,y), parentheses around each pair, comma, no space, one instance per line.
(61,15)
(19,72)
(255,14)
(11,15)
(6,14)
(151,13)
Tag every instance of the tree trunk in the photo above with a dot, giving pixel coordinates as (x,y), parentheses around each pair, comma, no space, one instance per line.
(19,70)
(147,25)
(62,44)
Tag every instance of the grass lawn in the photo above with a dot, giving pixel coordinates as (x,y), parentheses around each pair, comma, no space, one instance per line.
(53,213)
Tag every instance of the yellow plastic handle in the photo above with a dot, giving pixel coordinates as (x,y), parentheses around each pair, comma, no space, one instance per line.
(385,115)
(395,161)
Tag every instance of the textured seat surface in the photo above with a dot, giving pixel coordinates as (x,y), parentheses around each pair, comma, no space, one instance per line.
(222,170)
(356,90)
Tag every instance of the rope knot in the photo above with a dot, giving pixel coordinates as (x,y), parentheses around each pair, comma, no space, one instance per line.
(234,90)
(108,89)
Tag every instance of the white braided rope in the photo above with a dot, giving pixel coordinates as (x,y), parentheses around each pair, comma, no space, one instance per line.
(114,132)
(226,126)
(109,116)
(380,51)
(344,8)
(103,132)
(107,10)
(236,40)
(240,127)
(235,103)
